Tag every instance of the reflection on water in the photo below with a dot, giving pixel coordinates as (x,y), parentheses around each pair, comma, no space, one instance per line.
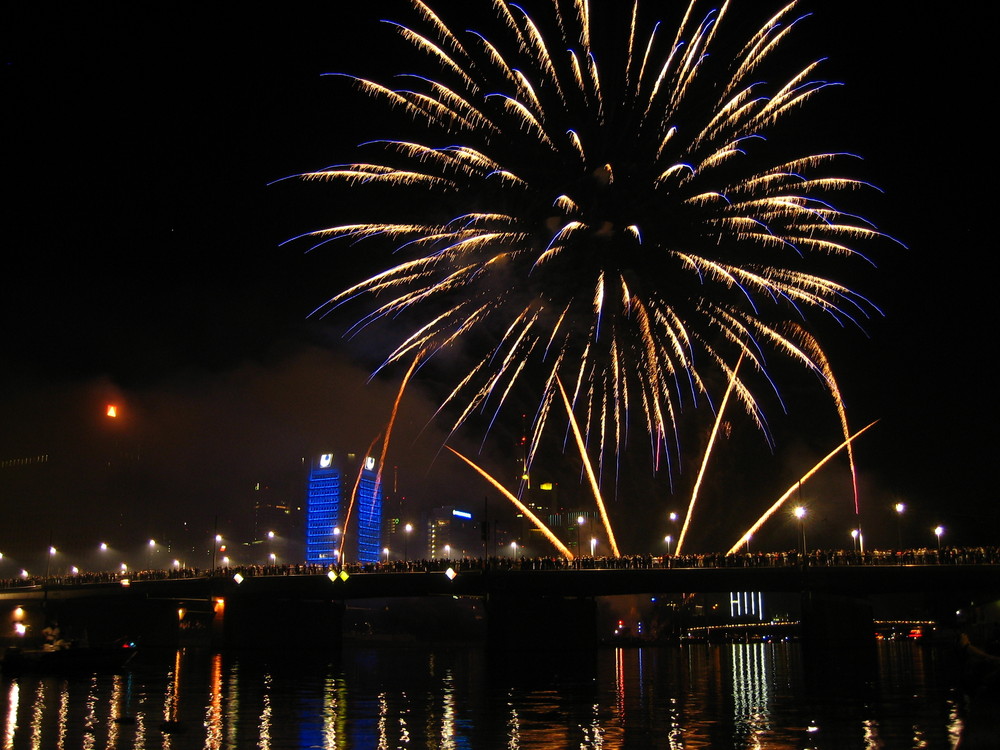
(702,696)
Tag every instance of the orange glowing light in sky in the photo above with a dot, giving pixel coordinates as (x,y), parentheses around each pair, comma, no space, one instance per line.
(112,411)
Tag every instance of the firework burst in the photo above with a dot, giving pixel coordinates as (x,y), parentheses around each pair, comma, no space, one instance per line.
(620,218)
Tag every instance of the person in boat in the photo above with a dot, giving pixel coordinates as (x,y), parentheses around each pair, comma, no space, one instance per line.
(53,637)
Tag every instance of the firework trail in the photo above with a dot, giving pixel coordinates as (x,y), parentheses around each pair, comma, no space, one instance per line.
(797,485)
(563,549)
(590,473)
(819,356)
(354,498)
(708,453)
(599,204)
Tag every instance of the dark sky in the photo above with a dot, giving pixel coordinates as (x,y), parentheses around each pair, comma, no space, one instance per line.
(142,260)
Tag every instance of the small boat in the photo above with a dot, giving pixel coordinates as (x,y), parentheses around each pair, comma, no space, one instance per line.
(69,659)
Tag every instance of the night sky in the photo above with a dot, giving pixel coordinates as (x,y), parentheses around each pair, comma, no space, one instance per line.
(142,264)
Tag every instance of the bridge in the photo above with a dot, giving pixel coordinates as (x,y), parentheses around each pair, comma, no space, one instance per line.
(246,607)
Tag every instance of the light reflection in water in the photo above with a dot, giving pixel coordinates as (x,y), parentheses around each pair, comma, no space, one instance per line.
(746,695)
(751,681)
(36,716)
(331,714)
(93,700)
(63,713)
(955,724)
(232,699)
(265,716)
(448,713)
(383,713)
(213,712)
(513,726)
(10,728)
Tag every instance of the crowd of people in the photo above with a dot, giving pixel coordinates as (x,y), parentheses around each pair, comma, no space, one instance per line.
(790,558)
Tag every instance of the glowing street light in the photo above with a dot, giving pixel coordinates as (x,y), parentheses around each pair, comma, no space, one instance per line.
(593,544)
(513,549)
(447,551)
(938,531)
(800,513)
(669,540)
(385,551)
(406,541)
(854,537)
(580,521)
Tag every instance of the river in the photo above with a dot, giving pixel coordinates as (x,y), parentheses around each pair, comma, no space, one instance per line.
(755,695)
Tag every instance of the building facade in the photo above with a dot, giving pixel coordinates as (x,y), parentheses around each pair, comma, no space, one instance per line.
(335,525)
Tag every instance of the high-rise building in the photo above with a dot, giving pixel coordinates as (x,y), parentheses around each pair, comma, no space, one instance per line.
(332,521)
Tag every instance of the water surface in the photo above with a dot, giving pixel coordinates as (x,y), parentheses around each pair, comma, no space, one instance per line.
(755,695)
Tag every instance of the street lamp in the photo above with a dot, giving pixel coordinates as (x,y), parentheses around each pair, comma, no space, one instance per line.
(447,552)
(854,537)
(669,540)
(152,548)
(938,531)
(52,553)
(800,513)
(593,544)
(580,521)
(406,541)
(513,550)
(385,551)
(899,508)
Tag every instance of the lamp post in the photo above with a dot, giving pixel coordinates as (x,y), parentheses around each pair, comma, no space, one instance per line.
(854,537)
(800,513)
(938,531)
(385,551)
(406,541)
(669,540)
(580,520)
(899,508)
(593,544)
(215,548)
(513,550)
(447,552)
(48,559)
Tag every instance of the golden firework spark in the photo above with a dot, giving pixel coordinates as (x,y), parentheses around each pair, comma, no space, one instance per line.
(628,229)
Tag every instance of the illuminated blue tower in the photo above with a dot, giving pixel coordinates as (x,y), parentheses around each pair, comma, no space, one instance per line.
(331,480)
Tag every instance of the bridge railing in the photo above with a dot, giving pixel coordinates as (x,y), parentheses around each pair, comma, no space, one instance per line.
(814,558)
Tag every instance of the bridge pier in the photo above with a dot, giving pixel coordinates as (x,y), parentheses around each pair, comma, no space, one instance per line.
(837,620)
(541,622)
(290,623)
